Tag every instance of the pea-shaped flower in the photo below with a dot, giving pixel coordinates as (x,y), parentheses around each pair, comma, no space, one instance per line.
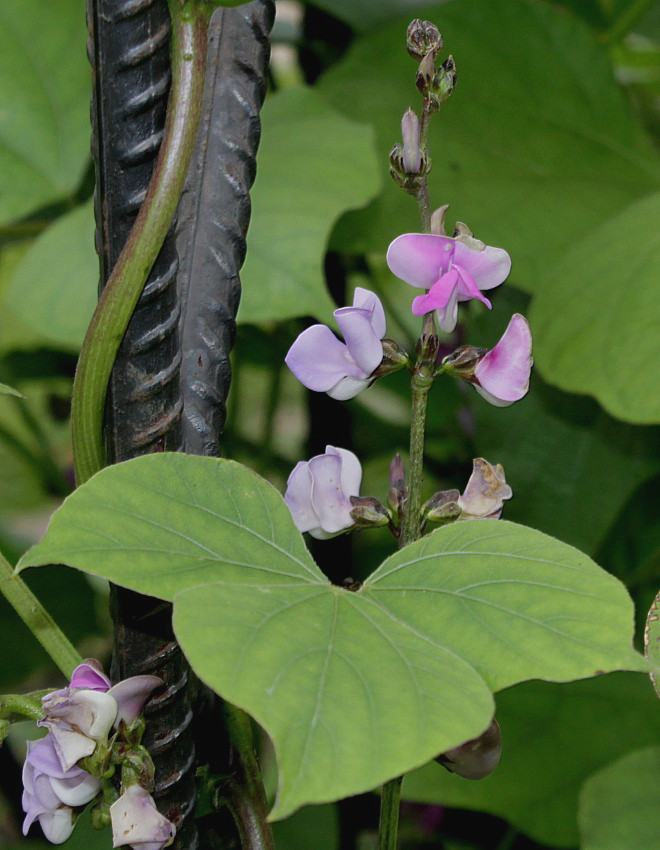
(341,369)
(137,822)
(319,490)
(452,270)
(50,791)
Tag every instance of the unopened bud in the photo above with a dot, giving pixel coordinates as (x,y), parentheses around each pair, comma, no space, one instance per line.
(425,73)
(412,155)
(422,37)
(100,814)
(477,758)
(427,352)
(442,507)
(394,358)
(445,80)
(368,512)
(398,493)
(438,220)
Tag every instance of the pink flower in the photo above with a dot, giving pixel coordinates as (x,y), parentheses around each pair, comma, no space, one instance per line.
(319,490)
(502,374)
(324,364)
(136,821)
(452,270)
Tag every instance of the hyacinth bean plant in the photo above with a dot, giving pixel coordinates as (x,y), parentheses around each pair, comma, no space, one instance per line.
(358,684)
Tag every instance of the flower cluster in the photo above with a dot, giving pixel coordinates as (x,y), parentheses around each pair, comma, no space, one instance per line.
(80,720)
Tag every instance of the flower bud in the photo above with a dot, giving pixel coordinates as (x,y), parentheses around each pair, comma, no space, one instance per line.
(423,37)
(368,512)
(411,155)
(477,758)
(445,80)
(398,493)
(425,73)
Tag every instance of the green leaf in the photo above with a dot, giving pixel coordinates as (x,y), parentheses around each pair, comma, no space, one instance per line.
(6,390)
(652,641)
(313,165)
(53,289)
(414,653)
(619,805)
(571,466)
(534,149)
(44,103)
(605,344)
(554,737)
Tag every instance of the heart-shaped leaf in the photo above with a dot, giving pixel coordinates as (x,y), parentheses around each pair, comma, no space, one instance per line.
(652,641)
(619,805)
(352,687)
(606,343)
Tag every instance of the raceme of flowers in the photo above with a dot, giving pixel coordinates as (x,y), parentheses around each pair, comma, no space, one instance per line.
(79,718)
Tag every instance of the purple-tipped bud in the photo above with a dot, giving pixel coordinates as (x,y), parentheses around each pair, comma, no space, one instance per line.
(398,492)
(412,155)
(422,37)
(425,73)
(477,758)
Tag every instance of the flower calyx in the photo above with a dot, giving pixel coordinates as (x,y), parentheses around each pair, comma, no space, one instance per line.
(442,507)
(435,84)
(394,358)
(368,512)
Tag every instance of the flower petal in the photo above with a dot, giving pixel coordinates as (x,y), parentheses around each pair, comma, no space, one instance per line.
(329,501)
(448,316)
(420,258)
(318,359)
(136,820)
(347,388)
(364,346)
(468,289)
(488,268)
(351,470)
(58,825)
(503,372)
(77,790)
(438,296)
(367,300)
(298,497)
(131,694)
(90,675)
(485,492)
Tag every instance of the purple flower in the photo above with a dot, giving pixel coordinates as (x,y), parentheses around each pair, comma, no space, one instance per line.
(50,791)
(452,270)
(502,374)
(319,490)
(324,364)
(485,493)
(90,675)
(136,821)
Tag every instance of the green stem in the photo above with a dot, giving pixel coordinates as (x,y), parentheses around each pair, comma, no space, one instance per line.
(22,705)
(247,797)
(123,289)
(422,196)
(411,519)
(622,25)
(389,814)
(37,619)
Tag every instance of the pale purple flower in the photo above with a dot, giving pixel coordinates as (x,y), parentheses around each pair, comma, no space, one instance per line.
(452,270)
(341,369)
(411,154)
(485,493)
(77,720)
(319,490)
(502,374)
(50,791)
(136,821)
